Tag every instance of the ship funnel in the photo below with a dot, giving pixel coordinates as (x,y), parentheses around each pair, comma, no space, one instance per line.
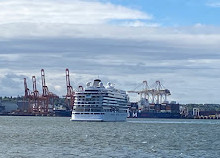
(96,82)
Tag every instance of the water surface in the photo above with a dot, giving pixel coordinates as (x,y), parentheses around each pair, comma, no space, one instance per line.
(56,137)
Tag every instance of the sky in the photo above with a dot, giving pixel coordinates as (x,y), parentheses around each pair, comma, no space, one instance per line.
(119,41)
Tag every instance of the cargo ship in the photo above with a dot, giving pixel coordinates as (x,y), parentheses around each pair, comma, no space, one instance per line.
(62,113)
(153,102)
(2,109)
(143,109)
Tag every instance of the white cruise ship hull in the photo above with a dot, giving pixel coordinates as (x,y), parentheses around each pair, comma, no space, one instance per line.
(99,116)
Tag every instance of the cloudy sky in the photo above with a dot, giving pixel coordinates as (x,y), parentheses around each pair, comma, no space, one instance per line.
(121,41)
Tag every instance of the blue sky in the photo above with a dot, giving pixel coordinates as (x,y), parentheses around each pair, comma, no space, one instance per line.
(121,41)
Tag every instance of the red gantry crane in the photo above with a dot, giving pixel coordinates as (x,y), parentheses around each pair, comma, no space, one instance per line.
(70,93)
(26,89)
(47,97)
(39,104)
(35,96)
(27,97)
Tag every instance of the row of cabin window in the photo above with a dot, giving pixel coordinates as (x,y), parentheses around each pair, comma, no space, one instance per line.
(87,105)
(98,96)
(88,99)
(87,102)
(88,110)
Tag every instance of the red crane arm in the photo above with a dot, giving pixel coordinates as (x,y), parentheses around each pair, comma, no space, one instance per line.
(27,92)
(35,91)
(44,87)
(69,87)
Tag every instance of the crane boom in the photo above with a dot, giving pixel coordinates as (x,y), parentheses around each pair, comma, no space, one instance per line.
(44,87)
(157,93)
(35,91)
(69,87)
(26,89)
(70,93)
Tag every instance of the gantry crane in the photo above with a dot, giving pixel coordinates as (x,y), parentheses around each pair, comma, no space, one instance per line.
(70,93)
(39,104)
(144,92)
(27,97)
(47,96)
(26,89)
(156,94)
(35,96)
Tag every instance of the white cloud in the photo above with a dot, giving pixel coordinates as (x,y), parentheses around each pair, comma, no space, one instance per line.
(185,71)
(198,25)
(76,18)
(79,35)
(84,19)
(139,23)
(65,12)
(214,4)
(9,57)
(206,37)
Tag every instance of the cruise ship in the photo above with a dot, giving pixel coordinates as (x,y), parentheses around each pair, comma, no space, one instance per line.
(100,103)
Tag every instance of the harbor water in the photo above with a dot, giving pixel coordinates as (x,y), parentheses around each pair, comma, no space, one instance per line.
(56,137)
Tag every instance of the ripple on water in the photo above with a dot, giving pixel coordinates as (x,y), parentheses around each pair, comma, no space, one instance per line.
(58,137)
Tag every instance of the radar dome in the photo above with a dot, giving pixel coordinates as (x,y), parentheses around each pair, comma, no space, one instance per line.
(88,84)
(109,84)
(100,84)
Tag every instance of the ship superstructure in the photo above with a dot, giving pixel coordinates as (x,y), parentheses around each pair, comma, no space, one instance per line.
(99,103)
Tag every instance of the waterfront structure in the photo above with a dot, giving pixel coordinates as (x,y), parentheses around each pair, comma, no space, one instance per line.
(143,109)
(153,102)
(99,103)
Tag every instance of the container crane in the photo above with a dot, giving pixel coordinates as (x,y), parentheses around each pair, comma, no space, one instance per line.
(35,95)
(27,96)
(47,96)
(144,92)
(39,104)
(70,93)
(26,89)
(161,93)
(44,87)
(157,94)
